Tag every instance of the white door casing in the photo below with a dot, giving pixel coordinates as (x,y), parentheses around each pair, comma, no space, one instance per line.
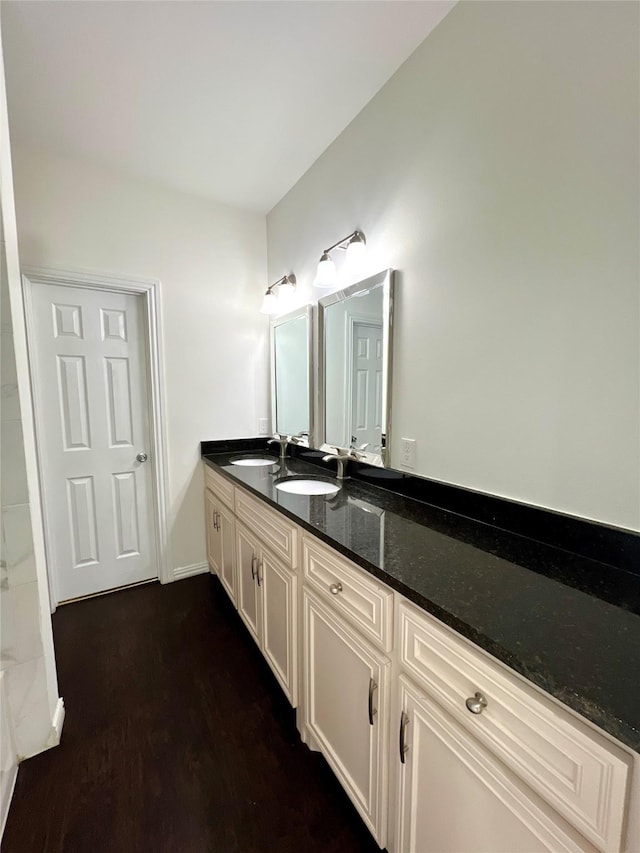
(95,364)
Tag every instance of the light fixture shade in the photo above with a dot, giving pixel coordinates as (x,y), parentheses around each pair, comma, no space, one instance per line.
(326,275)
(287,289)
(356,252)
(269,303)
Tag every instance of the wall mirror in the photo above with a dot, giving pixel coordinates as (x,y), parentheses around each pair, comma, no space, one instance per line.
(354,330)
(291,376)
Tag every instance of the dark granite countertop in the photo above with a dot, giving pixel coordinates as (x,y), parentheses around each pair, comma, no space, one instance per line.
(569,624)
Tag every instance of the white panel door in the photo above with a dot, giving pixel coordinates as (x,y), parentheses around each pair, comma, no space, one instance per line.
(90,376)
(454,796)
(366,386)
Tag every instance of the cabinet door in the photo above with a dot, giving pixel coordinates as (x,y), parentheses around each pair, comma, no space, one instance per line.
(247,553)
(279,636)
(214,543)
(454,796)
(227,535)
(346,708)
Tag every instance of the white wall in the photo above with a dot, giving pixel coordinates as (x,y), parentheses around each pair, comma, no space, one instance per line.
(211,262)
(498,172)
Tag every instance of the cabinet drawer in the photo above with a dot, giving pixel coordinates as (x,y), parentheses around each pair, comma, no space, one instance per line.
(366,603)
(273,529)
(219,485)
(581,774)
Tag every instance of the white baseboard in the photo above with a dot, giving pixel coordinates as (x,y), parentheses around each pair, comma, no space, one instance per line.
(56,724)
(189,571)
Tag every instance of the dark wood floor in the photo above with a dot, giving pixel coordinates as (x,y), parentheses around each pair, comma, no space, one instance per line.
(177,738)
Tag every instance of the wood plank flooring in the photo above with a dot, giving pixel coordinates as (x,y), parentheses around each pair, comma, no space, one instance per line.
(177,738)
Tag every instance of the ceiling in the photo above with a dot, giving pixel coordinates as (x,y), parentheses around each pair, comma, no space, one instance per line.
(231,100)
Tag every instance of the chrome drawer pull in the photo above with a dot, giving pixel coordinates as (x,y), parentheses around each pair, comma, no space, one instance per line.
(258,567)
(404,722)
(372,711)
(476,703)
(335,588)
(253,567)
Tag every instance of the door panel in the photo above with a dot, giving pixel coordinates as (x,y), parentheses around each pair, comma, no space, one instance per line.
(213,539)
(73,401)
(119,401)
(279,640)
(340,670)
(247,552)
(91,389)
(227,570)
(82,515)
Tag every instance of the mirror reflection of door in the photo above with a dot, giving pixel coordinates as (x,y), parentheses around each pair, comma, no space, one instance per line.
(365,409)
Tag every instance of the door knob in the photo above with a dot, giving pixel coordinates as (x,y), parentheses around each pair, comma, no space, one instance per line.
(142,457)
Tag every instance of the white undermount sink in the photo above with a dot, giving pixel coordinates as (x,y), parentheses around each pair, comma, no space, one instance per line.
(254,461)
(306,486)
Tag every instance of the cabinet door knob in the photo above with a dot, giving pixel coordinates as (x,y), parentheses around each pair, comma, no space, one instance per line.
(404,722)
(476,703)
(335,588)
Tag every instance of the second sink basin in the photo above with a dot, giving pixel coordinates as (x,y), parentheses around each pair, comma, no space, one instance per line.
(307,486)
(254,461)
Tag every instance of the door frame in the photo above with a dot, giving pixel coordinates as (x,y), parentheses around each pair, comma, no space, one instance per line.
(149,290)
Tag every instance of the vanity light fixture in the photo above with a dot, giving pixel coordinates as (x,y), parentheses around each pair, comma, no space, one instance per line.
(355,245)
(275,302)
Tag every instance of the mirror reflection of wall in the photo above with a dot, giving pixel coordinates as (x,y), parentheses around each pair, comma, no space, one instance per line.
(356,325)
(290,344)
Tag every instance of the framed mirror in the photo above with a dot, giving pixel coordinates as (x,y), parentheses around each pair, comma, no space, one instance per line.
(355,340)
(291,342)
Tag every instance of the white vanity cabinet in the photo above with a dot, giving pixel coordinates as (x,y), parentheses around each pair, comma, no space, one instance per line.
(441,748)
(479,752)
(267,603)
(256,568)
(347,677)
(455,796)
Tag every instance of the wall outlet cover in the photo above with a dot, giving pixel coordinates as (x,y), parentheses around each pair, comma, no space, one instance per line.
(263,426)
(408,452)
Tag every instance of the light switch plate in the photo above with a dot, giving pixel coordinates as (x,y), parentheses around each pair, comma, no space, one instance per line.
(263,426)
(408,452)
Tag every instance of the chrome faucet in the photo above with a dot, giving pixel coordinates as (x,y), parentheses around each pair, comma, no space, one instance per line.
(342,457)
(299,437)
(283,441)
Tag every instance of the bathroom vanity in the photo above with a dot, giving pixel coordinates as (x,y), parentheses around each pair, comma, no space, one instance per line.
(465,694)
(469,667)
